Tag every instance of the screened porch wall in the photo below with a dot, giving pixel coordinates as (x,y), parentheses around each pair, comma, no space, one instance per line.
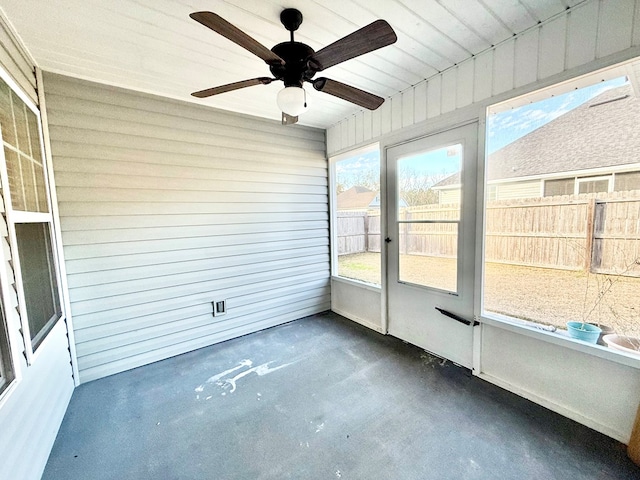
(168,206)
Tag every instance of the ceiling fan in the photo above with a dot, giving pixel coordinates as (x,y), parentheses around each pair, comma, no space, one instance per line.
(294,63)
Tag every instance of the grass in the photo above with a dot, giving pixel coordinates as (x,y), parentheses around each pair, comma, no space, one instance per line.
(542,295)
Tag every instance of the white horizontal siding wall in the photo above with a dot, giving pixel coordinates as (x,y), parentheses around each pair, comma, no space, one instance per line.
(584,35)
(167,206)
(32,410)
(528,189)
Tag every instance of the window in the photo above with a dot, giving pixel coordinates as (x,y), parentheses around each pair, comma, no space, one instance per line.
(627,181)
(29,218)
(562,186)
(572,253)
(356,214)
(593,184)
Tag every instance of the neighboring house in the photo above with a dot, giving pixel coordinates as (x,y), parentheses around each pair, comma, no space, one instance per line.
(356,198)
(360,199)
(593,148)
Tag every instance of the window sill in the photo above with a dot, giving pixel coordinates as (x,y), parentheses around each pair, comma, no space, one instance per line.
(358,283)
(561,338)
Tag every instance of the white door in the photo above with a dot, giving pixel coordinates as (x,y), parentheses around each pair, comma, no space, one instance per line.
(431,192)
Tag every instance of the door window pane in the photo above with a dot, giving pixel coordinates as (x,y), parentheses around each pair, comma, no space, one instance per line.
(428,205)
(38,277)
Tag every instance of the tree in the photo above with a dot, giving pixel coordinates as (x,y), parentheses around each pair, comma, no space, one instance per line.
(417,188)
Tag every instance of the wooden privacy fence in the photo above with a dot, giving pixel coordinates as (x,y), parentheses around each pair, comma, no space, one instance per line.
(596,232)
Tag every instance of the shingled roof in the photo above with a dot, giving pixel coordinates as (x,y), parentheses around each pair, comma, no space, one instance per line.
(602,132)
(355,198)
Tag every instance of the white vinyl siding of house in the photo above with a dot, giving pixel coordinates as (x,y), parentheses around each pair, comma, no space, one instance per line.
(449,196)
(525,189)
(167,206)
(587,37)
(32,408)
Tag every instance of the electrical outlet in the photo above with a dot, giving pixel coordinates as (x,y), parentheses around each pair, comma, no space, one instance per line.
(219,307)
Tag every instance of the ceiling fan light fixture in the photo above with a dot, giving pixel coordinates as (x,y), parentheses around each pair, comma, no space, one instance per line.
(292,101)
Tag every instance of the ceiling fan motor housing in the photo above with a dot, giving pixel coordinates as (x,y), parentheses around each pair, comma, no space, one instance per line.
(296,68)
(291,18)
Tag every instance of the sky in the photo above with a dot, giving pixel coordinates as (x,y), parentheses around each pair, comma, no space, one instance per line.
(506,127)
(435,165)
(502,129)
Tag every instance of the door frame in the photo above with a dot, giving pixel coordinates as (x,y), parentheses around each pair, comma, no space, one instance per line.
(471,170)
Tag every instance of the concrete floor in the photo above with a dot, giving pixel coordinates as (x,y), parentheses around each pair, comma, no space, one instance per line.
(319,398)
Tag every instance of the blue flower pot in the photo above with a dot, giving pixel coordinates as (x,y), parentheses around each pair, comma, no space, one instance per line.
(584,331)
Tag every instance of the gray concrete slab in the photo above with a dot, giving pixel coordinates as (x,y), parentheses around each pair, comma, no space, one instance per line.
(319,398)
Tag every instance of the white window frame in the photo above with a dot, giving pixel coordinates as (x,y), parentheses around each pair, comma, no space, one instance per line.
(17,217)
(512,324)
(580,180)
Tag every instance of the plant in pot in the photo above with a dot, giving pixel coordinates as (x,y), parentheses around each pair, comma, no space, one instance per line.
(599,304)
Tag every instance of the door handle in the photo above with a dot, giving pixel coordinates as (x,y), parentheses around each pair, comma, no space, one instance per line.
(387,240)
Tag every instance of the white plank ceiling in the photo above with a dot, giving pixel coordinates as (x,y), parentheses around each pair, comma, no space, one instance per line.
(153,45)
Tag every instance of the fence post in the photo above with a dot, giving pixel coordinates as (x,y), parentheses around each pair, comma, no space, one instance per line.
(365,219)
(588,248)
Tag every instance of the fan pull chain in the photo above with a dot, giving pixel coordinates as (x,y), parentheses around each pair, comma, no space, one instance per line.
(305,98)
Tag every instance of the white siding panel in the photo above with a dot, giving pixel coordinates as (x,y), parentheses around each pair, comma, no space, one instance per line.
(385,116)
(483,76)
(351,130)
(166,207)
(420,102)
(359,127)
(449,90)
(465,84)
(376,119)
(344,133)
(367,125)
(615,26)
(396,112)
(526,58)
(503,65)
(434,92)
(408,102)
(518,190)
(333,138)
(582,33)
(552,47)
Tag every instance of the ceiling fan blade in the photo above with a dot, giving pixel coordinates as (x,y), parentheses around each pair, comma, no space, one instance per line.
(348,93)
(220,25)
(372,37)
(232,86)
